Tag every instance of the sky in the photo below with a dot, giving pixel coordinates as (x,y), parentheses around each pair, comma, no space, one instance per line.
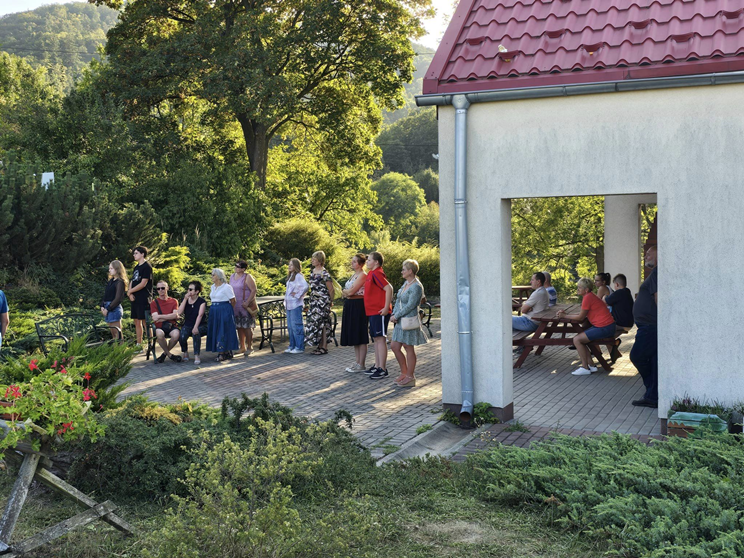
(435,26)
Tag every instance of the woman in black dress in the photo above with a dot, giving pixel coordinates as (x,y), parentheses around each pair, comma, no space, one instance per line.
(355,325)
(112,296)
(193,309)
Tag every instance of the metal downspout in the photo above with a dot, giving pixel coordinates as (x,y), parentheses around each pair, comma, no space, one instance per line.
(461,104)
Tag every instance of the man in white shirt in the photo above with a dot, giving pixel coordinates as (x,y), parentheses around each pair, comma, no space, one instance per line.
(537,302)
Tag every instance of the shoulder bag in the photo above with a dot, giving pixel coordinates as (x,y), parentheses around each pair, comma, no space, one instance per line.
(252,309)
(411,322)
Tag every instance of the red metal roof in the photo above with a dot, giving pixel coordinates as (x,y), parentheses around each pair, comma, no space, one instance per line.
(562,42)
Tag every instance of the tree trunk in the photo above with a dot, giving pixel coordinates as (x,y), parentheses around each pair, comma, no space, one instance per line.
(256,146)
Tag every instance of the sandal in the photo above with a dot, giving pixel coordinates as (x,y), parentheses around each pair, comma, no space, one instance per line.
(222,357)
(320,351)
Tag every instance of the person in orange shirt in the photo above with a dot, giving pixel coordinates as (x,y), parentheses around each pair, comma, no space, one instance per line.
(603,324)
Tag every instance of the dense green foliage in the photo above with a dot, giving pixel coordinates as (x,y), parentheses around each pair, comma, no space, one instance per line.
(682,497)
(61,38)
(399,200)
(409,143)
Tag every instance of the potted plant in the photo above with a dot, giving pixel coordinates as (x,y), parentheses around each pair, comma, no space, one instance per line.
(731,415)
(51,405)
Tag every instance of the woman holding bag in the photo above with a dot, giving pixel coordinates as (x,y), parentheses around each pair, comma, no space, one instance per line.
(407,333)
(246,308)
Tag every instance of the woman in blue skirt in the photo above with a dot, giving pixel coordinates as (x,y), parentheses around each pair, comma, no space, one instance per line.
(222,337)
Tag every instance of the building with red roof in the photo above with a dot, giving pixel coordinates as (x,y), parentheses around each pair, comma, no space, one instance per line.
(636,101)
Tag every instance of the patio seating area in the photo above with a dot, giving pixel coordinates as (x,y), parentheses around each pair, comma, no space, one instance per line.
(545,393)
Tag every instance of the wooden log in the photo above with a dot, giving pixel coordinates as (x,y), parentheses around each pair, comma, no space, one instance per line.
(55,483)
(61,529)
(17,498)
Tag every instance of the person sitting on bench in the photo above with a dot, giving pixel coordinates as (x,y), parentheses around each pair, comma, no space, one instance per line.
(603,325)
(537,302)
(620,303)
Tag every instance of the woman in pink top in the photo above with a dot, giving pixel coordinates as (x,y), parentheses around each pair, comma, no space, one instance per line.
(603,324)
(245,305)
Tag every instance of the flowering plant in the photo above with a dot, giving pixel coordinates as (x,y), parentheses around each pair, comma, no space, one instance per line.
(53,404)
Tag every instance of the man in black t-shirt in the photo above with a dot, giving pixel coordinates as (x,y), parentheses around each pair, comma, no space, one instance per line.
(140,290)
(620,302)
(645,352)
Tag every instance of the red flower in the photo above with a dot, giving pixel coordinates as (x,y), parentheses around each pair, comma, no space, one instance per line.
(54,365)
(13,391)
(63,371)
(87,376)
(65,427)
(88,394)
(34,365)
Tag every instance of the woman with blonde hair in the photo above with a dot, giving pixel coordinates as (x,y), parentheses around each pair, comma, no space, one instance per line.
(602,322)
(321,300)
(294,300)
(407,333)
(222,336)
(112,296)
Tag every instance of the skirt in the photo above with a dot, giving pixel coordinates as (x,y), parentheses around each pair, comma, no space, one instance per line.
(221,334)
(245,322)
(409,336)
(354,323)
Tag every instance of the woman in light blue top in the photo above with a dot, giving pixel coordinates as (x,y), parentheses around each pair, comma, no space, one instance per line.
(407,305)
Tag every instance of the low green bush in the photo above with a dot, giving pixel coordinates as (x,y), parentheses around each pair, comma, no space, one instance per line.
(144,451)
(681,497)
(32,298)
(152,443)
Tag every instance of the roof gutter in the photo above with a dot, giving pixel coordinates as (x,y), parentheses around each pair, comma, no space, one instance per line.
(723,78)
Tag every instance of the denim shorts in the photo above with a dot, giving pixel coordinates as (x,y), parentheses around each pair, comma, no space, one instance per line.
(114,315)
(601,332)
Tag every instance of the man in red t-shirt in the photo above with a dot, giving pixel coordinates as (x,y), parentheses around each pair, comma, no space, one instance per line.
(603,324)
(164,310)
(378,297)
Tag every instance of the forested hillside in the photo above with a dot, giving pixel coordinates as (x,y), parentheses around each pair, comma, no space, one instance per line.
(63,38)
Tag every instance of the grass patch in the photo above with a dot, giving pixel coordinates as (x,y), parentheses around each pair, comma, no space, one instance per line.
(424,428)
(516,426)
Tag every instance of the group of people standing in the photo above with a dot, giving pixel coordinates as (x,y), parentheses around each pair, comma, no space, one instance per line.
(367,313)
(228,325)
(611,311)
(229,320)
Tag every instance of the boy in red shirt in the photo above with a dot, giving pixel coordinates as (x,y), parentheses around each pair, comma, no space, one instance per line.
(164,310)
(378,296)
(603,324)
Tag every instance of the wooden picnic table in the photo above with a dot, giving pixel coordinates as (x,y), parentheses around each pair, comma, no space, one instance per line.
(522,292)
(550,324)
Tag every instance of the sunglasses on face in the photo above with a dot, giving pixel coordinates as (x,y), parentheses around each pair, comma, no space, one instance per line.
(162,288)
(191,289)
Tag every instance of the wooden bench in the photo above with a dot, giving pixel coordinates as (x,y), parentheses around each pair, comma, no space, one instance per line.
(549,325)
(272,317)
(57,331)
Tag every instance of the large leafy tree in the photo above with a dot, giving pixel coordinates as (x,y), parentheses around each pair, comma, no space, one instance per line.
(267,63)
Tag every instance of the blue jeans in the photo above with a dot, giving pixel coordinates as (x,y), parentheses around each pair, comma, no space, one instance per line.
(645,357)
(186,332)
(523,323)
(296,329)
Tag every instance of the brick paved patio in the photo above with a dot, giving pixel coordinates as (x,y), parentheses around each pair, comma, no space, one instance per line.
(547,396)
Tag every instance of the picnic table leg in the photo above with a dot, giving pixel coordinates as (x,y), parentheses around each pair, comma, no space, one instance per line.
(548,329)
(528,348)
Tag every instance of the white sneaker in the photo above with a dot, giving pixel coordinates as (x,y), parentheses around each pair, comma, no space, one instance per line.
(289,351)
(356,367)
(197,360)
(592,368)
(581,371)
(297,351)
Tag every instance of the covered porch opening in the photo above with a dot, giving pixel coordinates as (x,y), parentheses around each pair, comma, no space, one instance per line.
(614,232)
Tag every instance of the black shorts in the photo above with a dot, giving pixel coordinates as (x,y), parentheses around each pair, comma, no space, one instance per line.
(378,325)
(139,310)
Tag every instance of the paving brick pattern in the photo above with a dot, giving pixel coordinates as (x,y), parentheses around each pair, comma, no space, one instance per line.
(547,396)
(314,386)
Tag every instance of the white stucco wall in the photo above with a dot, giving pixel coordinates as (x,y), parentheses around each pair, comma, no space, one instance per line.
(622,237)
(683,145)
